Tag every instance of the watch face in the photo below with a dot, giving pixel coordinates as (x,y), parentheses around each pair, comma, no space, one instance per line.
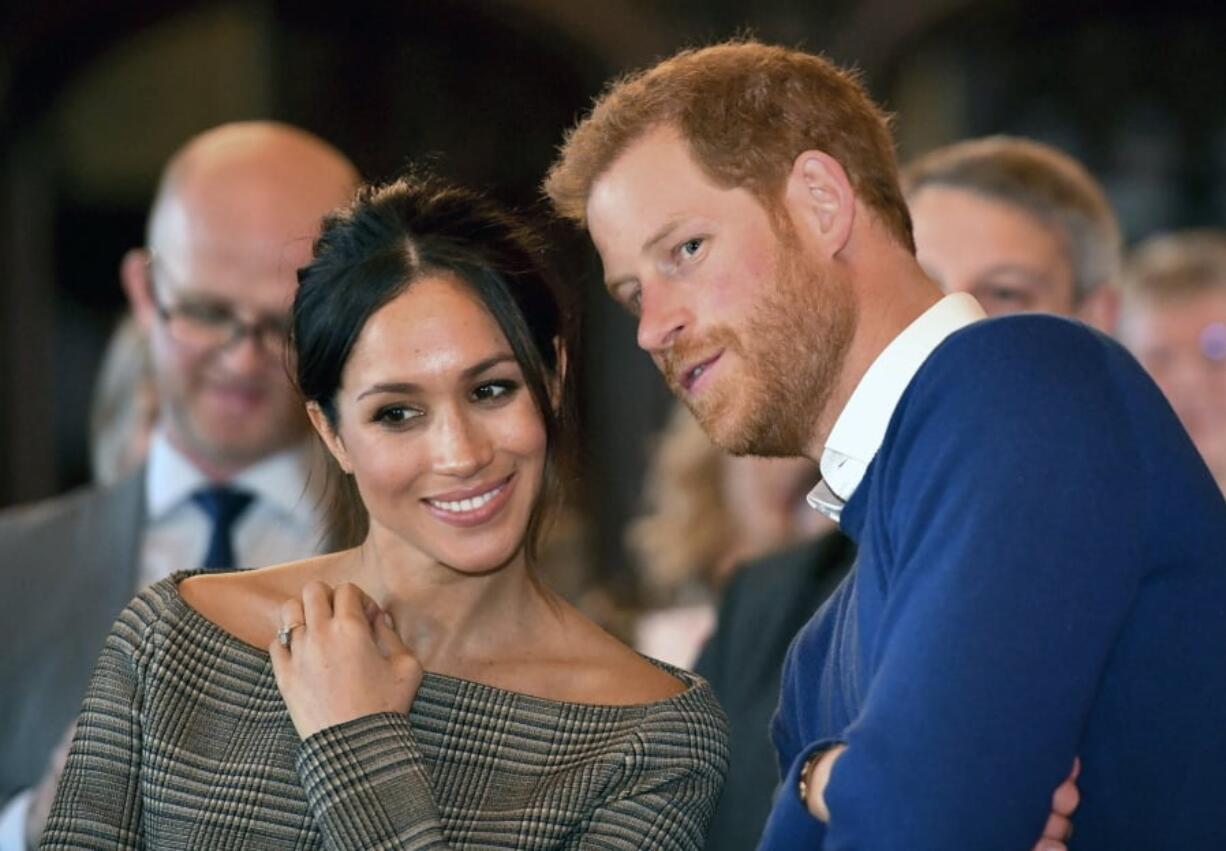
(802,785)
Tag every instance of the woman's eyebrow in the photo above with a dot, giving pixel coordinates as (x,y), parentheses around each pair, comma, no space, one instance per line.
(408,387)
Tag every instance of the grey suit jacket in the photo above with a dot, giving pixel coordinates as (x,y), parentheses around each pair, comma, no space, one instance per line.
(68,566)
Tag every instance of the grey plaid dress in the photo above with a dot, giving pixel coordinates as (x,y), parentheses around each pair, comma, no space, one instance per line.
(184,743)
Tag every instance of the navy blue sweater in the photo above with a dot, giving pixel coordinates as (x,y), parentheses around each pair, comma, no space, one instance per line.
(1041,575)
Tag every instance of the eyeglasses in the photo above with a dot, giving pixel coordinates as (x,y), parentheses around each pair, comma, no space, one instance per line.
(212,325)
(1213,342)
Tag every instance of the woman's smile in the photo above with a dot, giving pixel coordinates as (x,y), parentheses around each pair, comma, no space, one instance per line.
(473,506)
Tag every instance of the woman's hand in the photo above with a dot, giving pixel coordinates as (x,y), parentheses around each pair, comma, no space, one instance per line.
(343,659)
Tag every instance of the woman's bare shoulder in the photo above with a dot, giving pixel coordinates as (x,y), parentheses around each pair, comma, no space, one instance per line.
(247,603)
(613,673)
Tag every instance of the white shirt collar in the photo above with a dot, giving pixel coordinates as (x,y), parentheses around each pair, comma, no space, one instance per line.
(860,428)
(289,480)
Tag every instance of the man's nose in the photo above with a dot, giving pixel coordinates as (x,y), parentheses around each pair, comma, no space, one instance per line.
(663,317)
(246,354)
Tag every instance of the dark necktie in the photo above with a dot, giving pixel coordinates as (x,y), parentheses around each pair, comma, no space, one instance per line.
(223,505)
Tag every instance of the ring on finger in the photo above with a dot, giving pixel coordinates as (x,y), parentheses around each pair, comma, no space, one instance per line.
(286,631)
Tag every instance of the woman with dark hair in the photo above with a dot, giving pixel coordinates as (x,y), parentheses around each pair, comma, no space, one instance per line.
(422,689)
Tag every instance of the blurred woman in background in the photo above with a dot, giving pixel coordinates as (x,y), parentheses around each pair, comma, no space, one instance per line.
(708,512)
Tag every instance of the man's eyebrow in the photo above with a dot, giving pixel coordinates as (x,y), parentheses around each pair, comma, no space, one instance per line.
(662,233)
(1016,271)
(668,227)
(408,387)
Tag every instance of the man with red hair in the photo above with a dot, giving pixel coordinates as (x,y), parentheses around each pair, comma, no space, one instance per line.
(744,200)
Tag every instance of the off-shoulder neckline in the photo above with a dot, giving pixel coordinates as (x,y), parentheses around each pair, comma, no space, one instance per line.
(695,686)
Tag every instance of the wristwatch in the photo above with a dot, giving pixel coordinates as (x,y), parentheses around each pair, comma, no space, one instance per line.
(806,770)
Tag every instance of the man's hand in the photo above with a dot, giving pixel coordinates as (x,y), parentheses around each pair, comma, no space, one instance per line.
(815,783)
(1064,802)
(1056,832)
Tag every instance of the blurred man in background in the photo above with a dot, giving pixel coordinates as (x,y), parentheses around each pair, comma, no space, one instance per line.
(1018,225)
(230,479)
(1174,321)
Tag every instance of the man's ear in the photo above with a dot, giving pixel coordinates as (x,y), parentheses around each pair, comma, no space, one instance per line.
(328,435)
(137,285)
(819,197)
(1101,308)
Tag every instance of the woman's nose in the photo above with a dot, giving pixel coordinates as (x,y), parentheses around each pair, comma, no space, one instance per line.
(461,446)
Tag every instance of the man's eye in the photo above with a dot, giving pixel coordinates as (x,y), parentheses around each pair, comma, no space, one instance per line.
(208,314)
(1003,294)
(997,300)
(690,247)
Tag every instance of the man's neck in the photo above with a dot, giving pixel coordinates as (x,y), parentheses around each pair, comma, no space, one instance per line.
(892,291)
(216,469)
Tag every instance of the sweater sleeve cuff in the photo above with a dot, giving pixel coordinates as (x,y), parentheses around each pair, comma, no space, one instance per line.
(365,782)
(790,824)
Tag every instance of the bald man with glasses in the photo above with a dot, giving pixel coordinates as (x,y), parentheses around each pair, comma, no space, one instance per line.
(230,478)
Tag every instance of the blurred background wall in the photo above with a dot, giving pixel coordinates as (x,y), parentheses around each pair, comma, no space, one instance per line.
(94,96)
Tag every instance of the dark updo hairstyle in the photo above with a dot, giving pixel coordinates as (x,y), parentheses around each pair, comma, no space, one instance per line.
(416,227)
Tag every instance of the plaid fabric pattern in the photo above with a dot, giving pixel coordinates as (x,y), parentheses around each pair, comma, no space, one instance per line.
(184,743)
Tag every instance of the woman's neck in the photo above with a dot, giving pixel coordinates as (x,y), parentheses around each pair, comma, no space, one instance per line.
(448,618)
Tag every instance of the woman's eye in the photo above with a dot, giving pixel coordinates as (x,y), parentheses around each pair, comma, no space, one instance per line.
(395,415)
(494,390)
